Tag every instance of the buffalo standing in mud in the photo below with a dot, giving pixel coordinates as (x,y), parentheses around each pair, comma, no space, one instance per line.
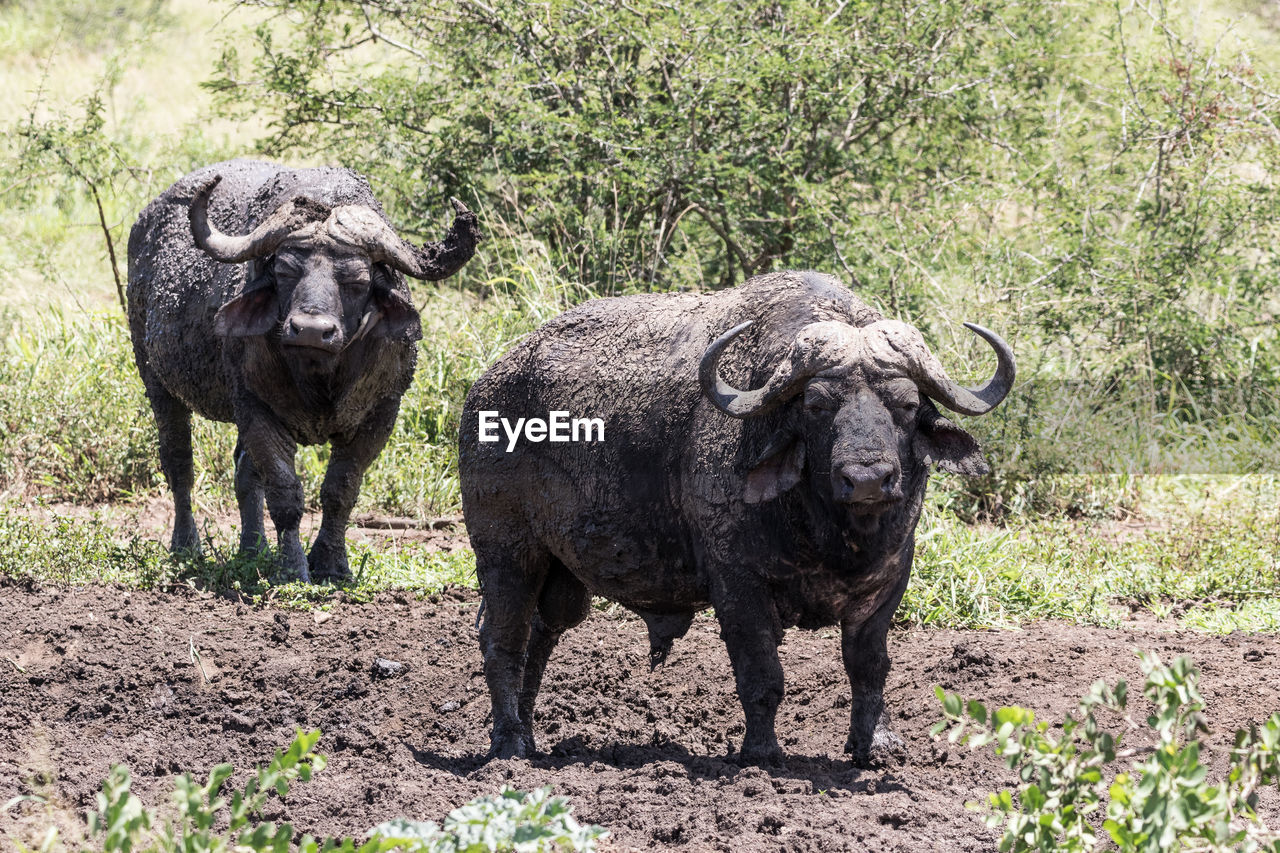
(301,331)
(791,504)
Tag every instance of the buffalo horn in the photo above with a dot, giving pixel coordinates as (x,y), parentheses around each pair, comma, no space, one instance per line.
(263,240)
(815,348)
(933,380)
(430,261)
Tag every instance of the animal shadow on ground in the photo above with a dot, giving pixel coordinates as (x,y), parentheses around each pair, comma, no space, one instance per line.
(821,771)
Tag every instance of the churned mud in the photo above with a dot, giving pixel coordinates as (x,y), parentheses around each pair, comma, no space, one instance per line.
(96,676)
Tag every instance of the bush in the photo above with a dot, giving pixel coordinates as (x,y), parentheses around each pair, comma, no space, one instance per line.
(209,818)
(1115,218)
(1161,804)
(651,143)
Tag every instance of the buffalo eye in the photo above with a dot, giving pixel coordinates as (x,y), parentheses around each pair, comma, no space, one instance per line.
(286,269)
(904,397)
(819,399)
(355,276)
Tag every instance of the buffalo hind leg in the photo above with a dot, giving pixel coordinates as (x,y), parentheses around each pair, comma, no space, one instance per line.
(511,577)
(562,604)
(249,497)
(173,421)
(865,650)
(751,634)
(271,452)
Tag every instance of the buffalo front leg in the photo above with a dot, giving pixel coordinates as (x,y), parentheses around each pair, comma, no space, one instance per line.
(751,633)
(173,421)
(348,461)
(271,452)
(865,649)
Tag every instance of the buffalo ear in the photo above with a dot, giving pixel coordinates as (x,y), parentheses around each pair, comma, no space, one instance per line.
(948,447)
(400,320)
(249,314)
(779,467)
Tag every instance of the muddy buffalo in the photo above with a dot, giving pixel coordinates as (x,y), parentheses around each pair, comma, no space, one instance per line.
(300,331)
(793,503)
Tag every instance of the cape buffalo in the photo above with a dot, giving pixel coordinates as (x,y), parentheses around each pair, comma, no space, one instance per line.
(301,331)
(794,503)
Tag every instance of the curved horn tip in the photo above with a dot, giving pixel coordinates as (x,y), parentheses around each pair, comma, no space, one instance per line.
(722,395)
(458,207)
(999,344)
(976,401)
(209,185)
(982,331)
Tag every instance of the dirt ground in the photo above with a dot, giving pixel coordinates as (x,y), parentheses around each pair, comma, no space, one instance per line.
(152,518)
(97,676)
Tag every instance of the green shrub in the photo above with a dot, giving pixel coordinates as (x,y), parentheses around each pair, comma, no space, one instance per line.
(1163,803)
(512,820)
(211,818)
(650,143)
(1115,218)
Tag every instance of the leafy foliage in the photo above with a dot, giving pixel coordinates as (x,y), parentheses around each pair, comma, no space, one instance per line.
(76,150)
(121,822)
(638,139)
(209,817)
(1163,803)
(512,820)
(1095,179)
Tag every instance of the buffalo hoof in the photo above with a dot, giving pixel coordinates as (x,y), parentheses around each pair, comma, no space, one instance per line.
(762,756)
(328,564)
(328,571)
(293,562)
(885,750)
(186,539)
(514,746)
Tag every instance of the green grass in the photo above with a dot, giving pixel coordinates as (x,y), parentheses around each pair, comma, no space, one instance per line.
(1203,555)
(66,550)
(1199,551)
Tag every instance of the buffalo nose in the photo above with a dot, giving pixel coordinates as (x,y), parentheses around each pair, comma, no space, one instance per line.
(864,483)
(311,330)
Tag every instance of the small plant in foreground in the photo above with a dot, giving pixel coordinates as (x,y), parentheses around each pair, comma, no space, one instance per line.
(1161,804)
(511,821)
